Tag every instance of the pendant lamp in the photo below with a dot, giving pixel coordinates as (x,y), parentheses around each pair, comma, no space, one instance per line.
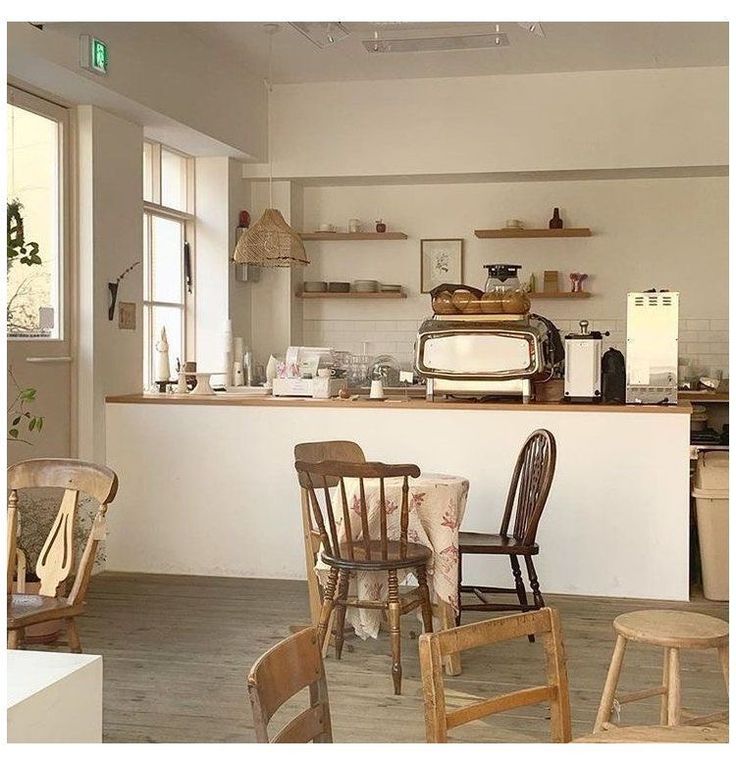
(270,242)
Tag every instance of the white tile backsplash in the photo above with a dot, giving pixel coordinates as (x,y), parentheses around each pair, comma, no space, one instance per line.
(703,342)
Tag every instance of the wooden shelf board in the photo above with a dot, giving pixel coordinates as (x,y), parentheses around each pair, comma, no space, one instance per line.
(559,295)
(337,236)
(700,397)
(531,233)
(353,295)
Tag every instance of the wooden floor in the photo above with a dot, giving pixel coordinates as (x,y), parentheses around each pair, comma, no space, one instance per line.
(177,649)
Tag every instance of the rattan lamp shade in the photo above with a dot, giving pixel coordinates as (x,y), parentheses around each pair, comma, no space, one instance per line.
(271,243)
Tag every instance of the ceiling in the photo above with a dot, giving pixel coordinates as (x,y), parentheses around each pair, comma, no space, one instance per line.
(566,47)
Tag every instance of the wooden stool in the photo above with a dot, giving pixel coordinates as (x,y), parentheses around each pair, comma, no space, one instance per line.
(672,630)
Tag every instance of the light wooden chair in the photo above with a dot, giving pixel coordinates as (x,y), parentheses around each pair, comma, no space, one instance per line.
(290,666)
(544,623)
(319,451)
(672,631)
(56,558)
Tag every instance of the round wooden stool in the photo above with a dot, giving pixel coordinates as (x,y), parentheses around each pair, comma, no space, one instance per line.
(672,630)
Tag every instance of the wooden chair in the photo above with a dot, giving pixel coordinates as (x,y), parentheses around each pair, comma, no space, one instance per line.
(290,666)
(671,631)
(357,551)
(319,451)
(57,554)
(433,648)
(530,485)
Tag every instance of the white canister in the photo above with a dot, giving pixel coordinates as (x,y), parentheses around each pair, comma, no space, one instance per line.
(238,378)
(376,389)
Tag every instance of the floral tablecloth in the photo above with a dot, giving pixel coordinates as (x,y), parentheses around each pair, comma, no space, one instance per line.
(436,509)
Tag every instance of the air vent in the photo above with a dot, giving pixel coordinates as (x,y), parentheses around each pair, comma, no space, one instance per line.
(638,301)
(430,44)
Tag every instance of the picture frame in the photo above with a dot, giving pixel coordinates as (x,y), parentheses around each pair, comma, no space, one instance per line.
(441,262)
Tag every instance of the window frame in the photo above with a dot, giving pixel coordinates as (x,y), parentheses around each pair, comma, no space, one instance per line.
(59,114)
(154,209)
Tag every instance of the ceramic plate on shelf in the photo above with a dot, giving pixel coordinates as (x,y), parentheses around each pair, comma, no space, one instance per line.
(365,285)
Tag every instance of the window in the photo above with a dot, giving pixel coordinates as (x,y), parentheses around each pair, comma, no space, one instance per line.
(36,132)
(168,227)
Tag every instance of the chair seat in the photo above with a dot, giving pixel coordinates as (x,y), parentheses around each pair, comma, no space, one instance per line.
(24,610)
(415,555)
(672,629)
(643,734)
(494,544)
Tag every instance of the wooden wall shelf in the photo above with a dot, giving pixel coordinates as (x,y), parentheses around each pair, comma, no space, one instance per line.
(531,233)
(353,295)
(558,295)
(325,236)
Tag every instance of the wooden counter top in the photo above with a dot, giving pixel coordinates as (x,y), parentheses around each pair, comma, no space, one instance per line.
(394,402)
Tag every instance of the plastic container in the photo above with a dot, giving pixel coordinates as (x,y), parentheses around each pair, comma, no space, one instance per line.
(711,503)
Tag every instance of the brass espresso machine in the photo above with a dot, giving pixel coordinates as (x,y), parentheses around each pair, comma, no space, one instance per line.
(486,343)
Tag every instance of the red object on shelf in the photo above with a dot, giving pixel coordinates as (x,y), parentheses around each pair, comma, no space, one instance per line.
(244,219)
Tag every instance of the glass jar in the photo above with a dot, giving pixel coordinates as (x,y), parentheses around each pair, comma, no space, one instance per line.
(503,293)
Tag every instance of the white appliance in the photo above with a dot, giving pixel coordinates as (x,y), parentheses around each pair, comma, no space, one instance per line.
(651,347)
(315,387)
(583,364)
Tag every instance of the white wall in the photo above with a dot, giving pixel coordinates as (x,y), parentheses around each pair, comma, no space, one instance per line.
(510,123)
(110,178)
(667,233)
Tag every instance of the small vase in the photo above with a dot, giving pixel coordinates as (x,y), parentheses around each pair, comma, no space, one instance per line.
(555,220)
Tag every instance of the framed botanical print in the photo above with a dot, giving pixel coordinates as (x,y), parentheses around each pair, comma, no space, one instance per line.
(442,262)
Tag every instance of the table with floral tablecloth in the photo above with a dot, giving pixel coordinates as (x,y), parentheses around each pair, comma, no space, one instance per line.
(436,508)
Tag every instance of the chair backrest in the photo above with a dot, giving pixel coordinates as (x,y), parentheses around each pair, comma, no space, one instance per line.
(327,451)
(530,484)
(56,558)
(357,543)
(290,666)
(434,647)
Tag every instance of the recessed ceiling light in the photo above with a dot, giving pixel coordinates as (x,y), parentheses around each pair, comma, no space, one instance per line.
(321,33)
(429,44)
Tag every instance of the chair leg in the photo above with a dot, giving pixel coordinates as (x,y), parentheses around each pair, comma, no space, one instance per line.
(674,695)
(459,589)
(534,582)
(72,636)
(723,656)
(328,603)
(343,584)
(424,595)
(666,685)
(394,618)
(520,589)
(609,689)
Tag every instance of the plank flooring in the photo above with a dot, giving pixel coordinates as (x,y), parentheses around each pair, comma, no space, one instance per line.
(177,650)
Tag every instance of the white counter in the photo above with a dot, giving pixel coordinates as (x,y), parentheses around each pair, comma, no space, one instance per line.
(210,489)
(54,697)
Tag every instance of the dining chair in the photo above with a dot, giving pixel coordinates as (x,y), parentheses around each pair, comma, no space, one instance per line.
(355,550)
(56,558)
(289,667)
(319,451)
(525,501)
(544,623)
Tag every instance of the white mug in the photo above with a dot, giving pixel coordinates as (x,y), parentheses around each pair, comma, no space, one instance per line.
(353,225)
(376,389)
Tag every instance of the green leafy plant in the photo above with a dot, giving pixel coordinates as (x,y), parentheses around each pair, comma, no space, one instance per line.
(21,418)
(20,415)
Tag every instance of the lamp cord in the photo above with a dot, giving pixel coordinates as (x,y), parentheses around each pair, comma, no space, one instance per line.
(269,88)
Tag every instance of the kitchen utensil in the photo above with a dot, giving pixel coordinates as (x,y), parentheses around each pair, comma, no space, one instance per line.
(338,287)
(503,290)
(583,364)
(365,285)
(314,287)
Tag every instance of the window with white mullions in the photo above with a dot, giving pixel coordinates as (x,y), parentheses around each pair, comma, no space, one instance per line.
(168,228)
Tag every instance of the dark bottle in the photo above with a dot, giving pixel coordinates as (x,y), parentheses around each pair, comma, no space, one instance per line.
(555,220)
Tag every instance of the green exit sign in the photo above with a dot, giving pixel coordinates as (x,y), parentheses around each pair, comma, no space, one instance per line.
(95,55)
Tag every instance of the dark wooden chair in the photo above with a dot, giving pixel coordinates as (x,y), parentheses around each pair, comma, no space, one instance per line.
(527,496)
(57,554)
(357,551)
(290,666)
(319,451)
